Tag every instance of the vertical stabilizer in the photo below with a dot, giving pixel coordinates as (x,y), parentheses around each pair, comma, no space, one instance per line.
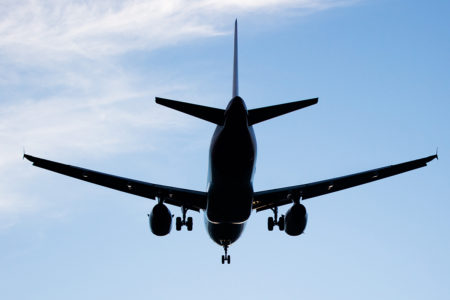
(235,63)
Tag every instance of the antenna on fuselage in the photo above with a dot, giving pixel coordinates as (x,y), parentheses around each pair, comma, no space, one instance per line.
(235,63)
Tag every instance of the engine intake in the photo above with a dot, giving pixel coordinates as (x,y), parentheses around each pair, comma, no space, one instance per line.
(160,220)
(295,220)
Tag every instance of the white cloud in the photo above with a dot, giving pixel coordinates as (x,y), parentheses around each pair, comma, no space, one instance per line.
(111,115)
(56,29)
(64,90)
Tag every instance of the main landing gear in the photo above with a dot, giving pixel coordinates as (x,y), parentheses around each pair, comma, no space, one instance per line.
(271,222)
(226,257)
(182,222)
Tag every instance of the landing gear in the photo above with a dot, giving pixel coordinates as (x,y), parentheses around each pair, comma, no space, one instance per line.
(281,223)
(183,222)
(178,224)
(274,221)
(189,224)
(270,223)
(226,257)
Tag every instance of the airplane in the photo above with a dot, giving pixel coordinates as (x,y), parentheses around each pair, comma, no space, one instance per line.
(230,199)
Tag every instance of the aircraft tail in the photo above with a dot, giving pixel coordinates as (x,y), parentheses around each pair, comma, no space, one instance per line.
(264,113)
(210,114)
(217,116)
(258,115)
(235,63)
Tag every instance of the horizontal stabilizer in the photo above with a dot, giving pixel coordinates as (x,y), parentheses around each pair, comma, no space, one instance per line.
(210,114)
(265,113)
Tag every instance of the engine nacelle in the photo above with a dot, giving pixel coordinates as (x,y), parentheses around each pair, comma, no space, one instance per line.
(160,220)
(295,219)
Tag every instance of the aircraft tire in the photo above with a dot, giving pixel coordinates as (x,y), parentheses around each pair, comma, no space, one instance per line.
(189,224)
(281,223)
(178,224)
(270,223)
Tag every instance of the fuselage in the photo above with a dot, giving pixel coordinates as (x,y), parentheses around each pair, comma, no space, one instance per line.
(232,158)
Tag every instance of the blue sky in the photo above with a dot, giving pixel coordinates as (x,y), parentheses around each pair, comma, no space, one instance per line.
(77,85)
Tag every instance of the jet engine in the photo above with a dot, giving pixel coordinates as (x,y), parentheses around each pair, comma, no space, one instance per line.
(295,219)
(160,220)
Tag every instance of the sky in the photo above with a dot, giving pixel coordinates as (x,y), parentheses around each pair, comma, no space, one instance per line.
(77,85)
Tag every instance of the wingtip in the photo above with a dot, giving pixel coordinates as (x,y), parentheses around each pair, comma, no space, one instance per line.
(436,155)
(312,101)
(431,157)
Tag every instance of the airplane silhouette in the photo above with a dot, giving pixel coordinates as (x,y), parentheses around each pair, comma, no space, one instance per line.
(230,199)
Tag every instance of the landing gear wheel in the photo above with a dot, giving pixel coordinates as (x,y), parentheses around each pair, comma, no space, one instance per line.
(270,223)
(226,257)
(189,224)
(275,221)
(179,223)
(281,223)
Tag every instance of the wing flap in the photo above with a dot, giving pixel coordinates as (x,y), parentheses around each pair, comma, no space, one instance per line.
(190,199)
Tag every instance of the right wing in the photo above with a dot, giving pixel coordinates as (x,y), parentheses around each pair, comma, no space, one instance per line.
(277,197)
(189,199)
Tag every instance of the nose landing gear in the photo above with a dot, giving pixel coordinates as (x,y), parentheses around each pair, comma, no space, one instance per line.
(183,222)
(274,221)
(226,257)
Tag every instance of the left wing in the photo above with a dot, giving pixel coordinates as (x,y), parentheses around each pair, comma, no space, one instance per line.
(189,199)
(277,197)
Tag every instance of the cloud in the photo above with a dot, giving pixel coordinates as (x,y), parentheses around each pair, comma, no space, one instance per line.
(64,89)
(59,29)
(109,114)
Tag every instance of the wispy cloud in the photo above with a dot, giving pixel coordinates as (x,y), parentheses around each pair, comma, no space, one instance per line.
(84,114)
(62,86)
(54,29)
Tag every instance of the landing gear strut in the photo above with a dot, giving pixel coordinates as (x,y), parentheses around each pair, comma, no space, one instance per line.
(274,221)
(226,257)
(183,222)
